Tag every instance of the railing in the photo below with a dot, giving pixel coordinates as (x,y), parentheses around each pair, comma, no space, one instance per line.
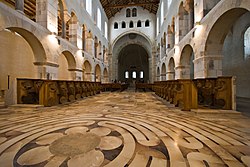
(54,92)
(188,94)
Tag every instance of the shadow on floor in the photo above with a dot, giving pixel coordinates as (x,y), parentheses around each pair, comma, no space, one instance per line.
(243,105)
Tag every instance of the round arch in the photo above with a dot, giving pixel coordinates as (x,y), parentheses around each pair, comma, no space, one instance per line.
(186,62)
(171,69)
(163,72)
(67,64)
(158,74)
(33,41)
(87,68)
(130,38)
(105,75)
(224,48)
(98,73)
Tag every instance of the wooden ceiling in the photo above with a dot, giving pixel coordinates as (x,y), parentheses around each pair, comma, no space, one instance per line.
(111,7)
(29,7)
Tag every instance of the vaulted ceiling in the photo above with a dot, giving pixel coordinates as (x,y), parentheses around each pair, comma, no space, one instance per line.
(111,7)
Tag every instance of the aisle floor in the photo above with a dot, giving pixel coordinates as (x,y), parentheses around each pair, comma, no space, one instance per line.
(122,129)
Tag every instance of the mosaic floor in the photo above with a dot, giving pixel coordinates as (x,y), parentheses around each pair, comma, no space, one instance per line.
(122,129)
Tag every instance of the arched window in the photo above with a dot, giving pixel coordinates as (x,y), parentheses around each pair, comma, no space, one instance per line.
(99,19)
(106,30)
(247,43)
(134,75)
(89,6)
(126,75)
(134,12)
(123,24)
(139,23)
(131,24)
(157,25)
(147,23)
(162,13)
(115,25)
(141,74)
(169,3)
(128,13)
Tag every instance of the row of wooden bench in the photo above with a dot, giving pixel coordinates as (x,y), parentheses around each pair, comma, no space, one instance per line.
(54,92)
(189,94)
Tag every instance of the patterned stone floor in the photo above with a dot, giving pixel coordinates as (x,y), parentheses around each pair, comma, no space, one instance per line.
(122,129)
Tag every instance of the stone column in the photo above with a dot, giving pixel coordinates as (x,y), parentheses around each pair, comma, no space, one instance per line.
(46,14)
(179,72)
(170,75)
(163,77)
(73,25)
(208,66)
(19,5)
(90,45)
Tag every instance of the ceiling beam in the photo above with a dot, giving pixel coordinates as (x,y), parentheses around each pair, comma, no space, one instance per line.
(129,5)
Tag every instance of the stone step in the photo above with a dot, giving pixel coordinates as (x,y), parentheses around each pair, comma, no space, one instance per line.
(26,106)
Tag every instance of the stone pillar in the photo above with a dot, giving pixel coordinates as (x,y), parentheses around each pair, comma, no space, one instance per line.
(90,45)
(46,14)
(209,66)
(96,54)
(184,72)
(179,72)
(170,75)
(163,77)
(73,26)
(19,5)
(84,31)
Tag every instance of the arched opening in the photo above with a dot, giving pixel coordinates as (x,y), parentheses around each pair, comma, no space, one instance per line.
(247,44)
(189,7)
(128,12)
(171,69)
(98,73)
(183,21)
(66,63)
(115,25)
(99,19)
(172,29)
(123,24)
(158,74)
(186,68)
(105,75)
(147,23)
(134,59)
(87,71)
(225,51)
(134,12)
(19,52)
(163,72)
(131,24)
(139,23)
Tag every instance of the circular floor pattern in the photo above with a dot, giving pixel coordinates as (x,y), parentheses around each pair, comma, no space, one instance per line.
(123,129)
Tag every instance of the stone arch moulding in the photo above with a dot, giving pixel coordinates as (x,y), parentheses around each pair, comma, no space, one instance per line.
(130,32)
(226,7)
(70,59)
(122,41)
(33,41)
